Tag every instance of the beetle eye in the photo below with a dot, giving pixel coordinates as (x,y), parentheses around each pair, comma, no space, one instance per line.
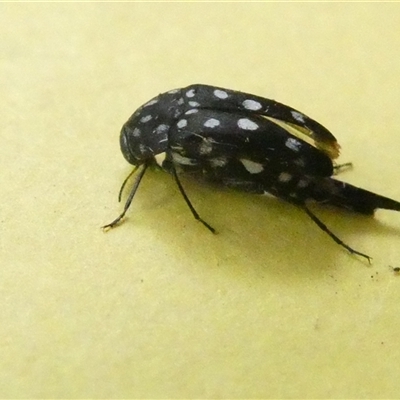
(127,143)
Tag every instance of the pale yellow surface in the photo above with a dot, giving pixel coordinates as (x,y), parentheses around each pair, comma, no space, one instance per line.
(159,307)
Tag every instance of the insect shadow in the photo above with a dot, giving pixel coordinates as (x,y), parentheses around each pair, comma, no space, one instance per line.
(258,232)
(268,229)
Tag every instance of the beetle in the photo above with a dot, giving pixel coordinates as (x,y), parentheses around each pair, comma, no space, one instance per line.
(245,142)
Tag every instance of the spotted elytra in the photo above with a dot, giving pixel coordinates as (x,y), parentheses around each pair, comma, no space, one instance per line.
(241,141)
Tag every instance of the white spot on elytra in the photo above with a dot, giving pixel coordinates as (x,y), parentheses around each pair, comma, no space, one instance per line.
(252,105)
(211,123)
(151,102)
(298,116)
(193,104)
(183,160)
(302,183)
(293,144)
(136,132)
(284,177)
(181,123)
(221,94)
(173,91)
(161,129)
(147,118)
(218,162)
(190,93)
(251,166)
(180,101)
(247,124)
(193,111)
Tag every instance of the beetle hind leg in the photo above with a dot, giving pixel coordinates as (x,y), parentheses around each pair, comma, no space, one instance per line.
(340,242)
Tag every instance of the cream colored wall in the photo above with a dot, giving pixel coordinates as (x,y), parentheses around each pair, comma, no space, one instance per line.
(159,307)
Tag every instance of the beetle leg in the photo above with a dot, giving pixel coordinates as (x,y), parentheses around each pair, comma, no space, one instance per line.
(192,209)
(332,235)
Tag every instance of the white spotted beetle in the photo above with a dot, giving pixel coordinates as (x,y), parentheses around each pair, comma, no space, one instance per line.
(245,142)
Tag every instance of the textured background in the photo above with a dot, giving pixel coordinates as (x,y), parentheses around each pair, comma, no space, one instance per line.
(159,307)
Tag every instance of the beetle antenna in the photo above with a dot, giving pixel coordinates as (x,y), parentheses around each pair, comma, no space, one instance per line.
(125,182)
(130,198)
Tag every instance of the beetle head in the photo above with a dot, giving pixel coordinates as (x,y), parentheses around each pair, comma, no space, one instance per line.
(145,134)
